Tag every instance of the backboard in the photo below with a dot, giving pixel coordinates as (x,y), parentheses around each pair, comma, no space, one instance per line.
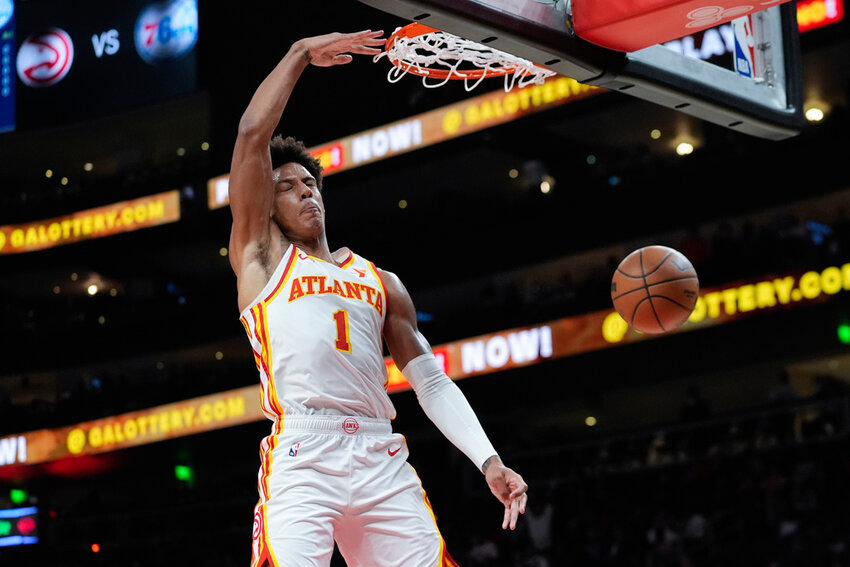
(768,105)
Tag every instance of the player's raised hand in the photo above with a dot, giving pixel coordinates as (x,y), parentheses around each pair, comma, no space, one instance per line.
(509,488)
(336,48)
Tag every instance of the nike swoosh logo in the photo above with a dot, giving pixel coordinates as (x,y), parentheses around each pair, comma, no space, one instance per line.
(393,453)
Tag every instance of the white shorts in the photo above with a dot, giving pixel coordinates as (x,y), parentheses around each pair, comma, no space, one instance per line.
(343,479)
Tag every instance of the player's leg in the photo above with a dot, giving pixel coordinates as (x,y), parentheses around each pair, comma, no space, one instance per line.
(295,536)
(300,503)
(390,521)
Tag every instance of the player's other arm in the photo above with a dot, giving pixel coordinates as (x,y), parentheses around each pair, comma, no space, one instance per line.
(443,402)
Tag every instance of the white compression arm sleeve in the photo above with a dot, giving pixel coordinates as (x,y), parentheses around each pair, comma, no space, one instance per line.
(447,407)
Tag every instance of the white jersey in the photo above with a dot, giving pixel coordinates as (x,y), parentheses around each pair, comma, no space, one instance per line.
(316,331)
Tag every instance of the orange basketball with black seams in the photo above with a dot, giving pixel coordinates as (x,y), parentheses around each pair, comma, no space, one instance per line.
(655,289)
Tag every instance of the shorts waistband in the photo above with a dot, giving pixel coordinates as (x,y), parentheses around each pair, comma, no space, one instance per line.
(341,424)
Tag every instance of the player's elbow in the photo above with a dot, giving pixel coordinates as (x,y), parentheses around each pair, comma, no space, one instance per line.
(253,128)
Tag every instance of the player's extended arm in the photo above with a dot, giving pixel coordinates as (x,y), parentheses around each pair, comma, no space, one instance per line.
(251,187)
(443,402)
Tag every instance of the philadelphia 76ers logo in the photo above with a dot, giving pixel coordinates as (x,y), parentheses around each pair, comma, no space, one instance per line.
(167,30)
(45,58)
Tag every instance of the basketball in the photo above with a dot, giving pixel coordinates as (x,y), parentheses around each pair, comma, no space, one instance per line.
(655,289)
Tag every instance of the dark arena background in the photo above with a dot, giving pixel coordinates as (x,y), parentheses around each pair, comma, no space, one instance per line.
(129,408)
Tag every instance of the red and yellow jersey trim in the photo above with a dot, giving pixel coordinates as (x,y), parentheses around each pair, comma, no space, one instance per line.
(264,552)
(260,364)
(378,277)
(345,264)
(286,272)
(349,259)
(264,358)
(260,315)
(443,559)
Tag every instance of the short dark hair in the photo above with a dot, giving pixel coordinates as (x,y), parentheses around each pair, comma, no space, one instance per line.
(289,150)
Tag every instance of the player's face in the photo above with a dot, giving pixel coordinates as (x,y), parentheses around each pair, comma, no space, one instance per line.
(298,206)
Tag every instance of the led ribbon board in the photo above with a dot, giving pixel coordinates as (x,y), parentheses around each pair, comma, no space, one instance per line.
(125,216)
(475,356)
(422,130)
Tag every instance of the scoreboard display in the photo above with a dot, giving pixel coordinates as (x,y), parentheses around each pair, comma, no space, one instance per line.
(18,526)
(64,62)
(7,49)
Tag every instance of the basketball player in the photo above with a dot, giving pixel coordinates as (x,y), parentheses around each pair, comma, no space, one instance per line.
(332,469)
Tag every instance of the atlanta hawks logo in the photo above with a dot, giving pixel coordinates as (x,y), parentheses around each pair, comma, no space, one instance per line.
(350,425)
(45,58)
(258,525)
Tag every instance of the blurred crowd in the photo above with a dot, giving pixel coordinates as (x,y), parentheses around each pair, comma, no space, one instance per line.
(762,488)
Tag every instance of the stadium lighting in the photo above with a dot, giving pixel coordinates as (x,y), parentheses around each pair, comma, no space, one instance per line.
(685,148)
(843,332)
(184,474)
(18,496)
(814,114)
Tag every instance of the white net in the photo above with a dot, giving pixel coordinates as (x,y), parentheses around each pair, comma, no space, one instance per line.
(439,52)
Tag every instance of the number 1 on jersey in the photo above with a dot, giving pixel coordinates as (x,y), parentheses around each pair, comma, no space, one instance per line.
(342,339)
